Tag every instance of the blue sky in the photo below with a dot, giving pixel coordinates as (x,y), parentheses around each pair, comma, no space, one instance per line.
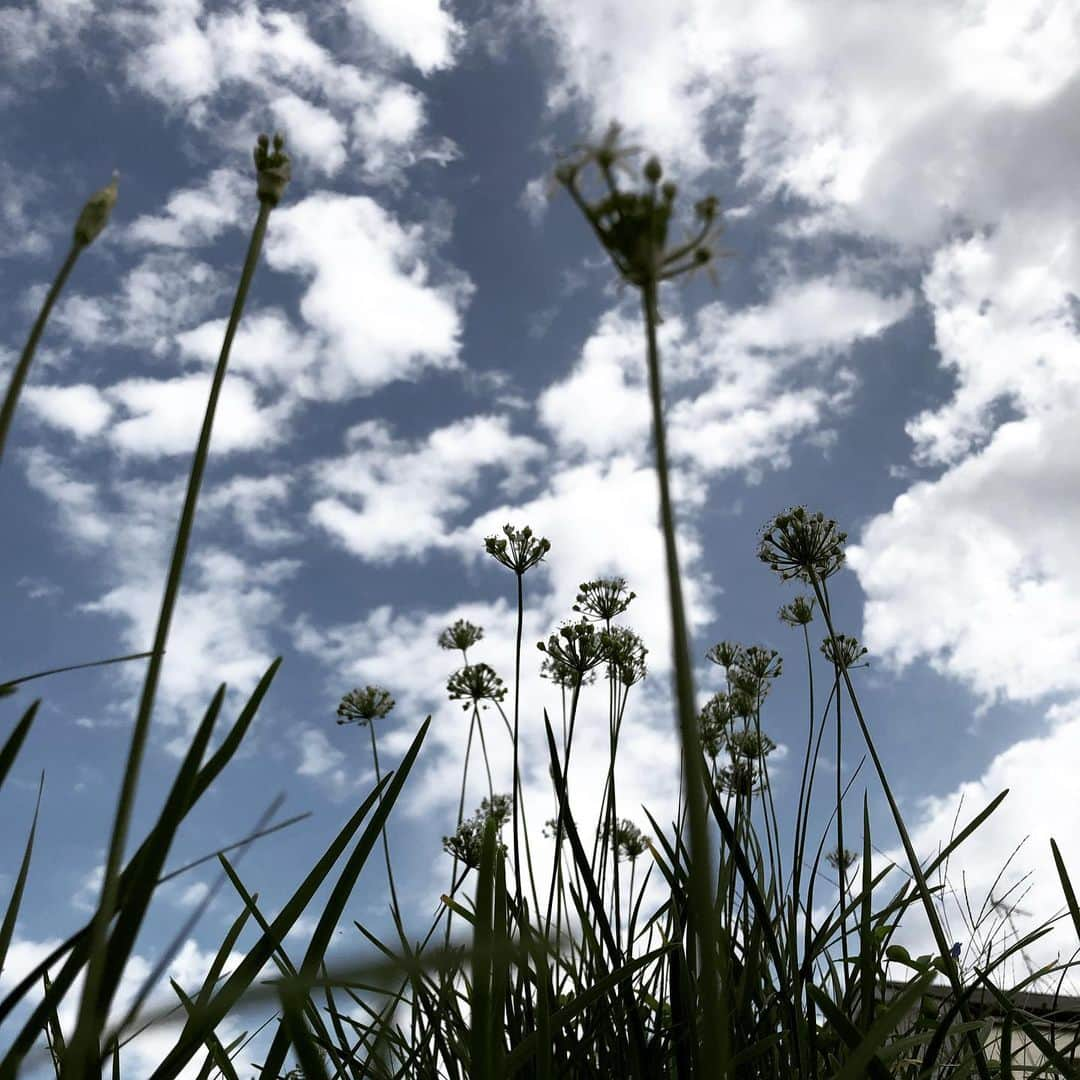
(432,348)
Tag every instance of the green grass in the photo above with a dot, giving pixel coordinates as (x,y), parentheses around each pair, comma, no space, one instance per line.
(644,949)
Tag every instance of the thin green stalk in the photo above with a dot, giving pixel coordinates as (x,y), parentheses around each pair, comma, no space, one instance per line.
(385,842)
(951,973)
(716,1046)
(22,368)
(82,1050)
(840,826)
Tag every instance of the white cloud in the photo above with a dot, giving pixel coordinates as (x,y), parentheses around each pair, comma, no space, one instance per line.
(313,132)
(196,215)
(198,61)
(255,503)
(369,292)
(387,499)
(76,500)
(421,29)
(325,763)
(79,409)
(165,416)
(266,349)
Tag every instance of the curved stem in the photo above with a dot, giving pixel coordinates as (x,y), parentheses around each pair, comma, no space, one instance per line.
(22,368)
(91,1011)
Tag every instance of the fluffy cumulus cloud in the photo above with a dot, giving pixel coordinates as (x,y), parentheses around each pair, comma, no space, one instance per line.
(742,385)
(193,216)
(200,60)
(423,30)
(79,409)
(369,291)
(386,498)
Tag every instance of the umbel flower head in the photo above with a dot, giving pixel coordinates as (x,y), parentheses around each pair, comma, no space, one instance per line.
(467,843)
(840,860)
(625,653)
(603,599)
(475,683)
(462,635)
(518,549)
(803,545)
(845,653)
(628,840)
(726,654)
(362,706)
(578,647)
(633,225)
(714,722)
(563,675)
(95,214)
(800,612)
(749,744)
(273,167)
(741,777)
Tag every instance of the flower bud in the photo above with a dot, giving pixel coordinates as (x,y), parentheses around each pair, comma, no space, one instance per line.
(653,170)
(95,214)
(274,169)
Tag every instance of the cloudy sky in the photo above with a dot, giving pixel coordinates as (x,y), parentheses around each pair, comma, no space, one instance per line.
(434,346)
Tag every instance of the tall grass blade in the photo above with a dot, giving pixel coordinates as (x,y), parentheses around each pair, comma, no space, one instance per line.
(7,928)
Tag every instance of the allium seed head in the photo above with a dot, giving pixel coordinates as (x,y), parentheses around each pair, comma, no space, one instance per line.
(363,706)
(475,683)
(797,544)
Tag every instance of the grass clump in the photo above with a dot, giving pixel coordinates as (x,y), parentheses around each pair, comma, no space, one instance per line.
(706,959)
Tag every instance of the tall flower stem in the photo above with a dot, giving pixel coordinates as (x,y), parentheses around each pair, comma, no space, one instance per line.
(22,368)
(714,1029)
(92,1011)
(386,843)
(92,219)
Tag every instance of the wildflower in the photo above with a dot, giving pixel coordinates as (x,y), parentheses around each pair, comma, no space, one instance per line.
(802,545)
(846,651)
(519,550)
(725,653)
(628,840)
(841,860)
(577,646)
(461,635)
(633,226)
(563,675)
(95,214)
(274,169)
(741,777)
(467,842)
(603,599)
(714,721)
(475,683)
(625,653)
(751,745)
(363,706)
(800,612)
(753,675)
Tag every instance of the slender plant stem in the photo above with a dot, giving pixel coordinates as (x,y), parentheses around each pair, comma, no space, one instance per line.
(386,843)
(91,1011)
(22,368)
(716,1046)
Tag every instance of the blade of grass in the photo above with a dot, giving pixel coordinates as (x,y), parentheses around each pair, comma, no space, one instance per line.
(7,928)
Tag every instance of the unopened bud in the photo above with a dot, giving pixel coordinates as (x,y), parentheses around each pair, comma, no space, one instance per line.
(273,167)
(95,214)
(669,191)
(653,170)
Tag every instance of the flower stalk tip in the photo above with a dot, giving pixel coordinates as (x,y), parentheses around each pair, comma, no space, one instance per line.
(95,214)
(273,168)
